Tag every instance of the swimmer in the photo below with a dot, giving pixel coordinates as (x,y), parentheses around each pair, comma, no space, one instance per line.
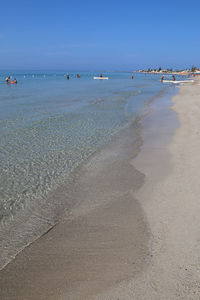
(101,75)
(67,76)
(162,78)
(173,78)
(7,79)
(132,76)
(14,81)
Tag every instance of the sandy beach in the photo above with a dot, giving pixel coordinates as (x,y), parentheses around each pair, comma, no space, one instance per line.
(172,209)
(138,238)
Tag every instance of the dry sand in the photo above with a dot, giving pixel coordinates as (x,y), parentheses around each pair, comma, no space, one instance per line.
(172,208)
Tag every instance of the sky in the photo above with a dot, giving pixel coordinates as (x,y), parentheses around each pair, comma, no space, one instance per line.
(99,35)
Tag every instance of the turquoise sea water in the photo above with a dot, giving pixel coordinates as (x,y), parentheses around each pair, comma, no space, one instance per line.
(50,125)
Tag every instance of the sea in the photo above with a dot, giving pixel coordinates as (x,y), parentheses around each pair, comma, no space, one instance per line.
(49,127)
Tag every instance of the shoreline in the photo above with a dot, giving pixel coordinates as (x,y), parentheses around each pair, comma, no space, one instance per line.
(172,209)
(121,198)
(31,224)
(103,241)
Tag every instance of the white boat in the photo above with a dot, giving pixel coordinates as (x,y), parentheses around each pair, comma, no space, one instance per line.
(102,78)
(178,81)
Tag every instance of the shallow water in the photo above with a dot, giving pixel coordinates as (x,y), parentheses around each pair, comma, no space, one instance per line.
(48,127)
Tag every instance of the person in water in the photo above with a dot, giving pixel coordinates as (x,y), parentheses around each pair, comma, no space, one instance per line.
(101,75)
(14,81)
(8,79)
(173,78)
(162,78)
(68,76)
(78,76)
(132,76)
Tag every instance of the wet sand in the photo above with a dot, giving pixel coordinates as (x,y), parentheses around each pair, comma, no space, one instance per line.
(106,246)
(103,241)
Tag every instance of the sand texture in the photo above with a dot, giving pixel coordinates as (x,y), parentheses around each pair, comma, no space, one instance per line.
(172,208)
(102,242)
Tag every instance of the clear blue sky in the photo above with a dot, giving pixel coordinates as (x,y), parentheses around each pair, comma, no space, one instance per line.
(99,35)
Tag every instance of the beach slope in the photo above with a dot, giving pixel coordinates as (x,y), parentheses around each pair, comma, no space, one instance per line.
(172,208)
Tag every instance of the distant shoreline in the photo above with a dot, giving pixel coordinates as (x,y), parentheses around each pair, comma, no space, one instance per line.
(165,72)
(162,72)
